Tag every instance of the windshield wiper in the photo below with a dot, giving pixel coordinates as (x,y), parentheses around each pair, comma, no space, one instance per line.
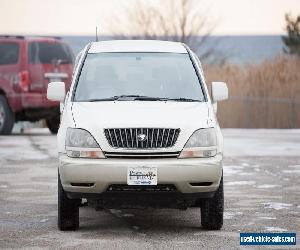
(146,98)
(141,98)
(101,99)
(117,98)
(183,100)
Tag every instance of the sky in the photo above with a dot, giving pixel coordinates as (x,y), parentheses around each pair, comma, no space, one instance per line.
(79,17)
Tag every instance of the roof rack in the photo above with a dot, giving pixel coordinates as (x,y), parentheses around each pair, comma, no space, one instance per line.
(24,37)
(54,37)
(12,36)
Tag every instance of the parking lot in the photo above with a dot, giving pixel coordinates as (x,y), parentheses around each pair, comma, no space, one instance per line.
(262,187)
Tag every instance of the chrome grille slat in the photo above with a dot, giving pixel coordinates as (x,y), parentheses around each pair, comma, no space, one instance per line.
(162,138)
(176,135)
(168,137)
(173,137)
(120,133)
(152,139)
(128,137)
(157,136)
(113,137)
(108,136)
(147,141)
(142,142)
(135,136)
(117,139)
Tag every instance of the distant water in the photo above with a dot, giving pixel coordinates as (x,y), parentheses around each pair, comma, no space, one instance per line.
(236,49)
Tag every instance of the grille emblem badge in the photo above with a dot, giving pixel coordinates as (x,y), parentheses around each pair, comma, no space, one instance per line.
(141,137)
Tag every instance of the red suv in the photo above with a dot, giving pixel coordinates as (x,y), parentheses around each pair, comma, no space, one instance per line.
(27,65)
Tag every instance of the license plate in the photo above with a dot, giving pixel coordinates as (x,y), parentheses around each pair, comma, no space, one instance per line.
(142,176)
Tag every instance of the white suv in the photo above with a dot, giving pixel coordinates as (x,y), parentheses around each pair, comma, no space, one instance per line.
(139,129)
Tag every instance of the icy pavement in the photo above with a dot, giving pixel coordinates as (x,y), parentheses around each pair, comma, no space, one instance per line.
(262,142)
(262,187)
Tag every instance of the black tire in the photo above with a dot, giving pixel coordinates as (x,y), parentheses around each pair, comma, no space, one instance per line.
(68,210)
(7,117)
(53,124)
(212,210)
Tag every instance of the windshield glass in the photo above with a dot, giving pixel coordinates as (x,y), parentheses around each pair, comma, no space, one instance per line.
(153,75)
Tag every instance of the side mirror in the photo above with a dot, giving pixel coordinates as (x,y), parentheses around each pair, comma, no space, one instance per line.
(56,91)
(219,91)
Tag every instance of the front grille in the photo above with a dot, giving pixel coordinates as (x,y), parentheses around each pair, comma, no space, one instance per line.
(141,138)
(139,188)
(143,155)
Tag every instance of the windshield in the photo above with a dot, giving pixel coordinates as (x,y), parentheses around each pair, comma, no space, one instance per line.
(152,76)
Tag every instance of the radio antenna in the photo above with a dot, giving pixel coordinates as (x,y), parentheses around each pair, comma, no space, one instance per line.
(97,34)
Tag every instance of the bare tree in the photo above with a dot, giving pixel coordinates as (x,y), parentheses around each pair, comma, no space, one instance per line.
(175,20)
(292,40)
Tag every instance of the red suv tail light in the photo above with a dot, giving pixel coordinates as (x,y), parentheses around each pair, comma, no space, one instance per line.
(24,80)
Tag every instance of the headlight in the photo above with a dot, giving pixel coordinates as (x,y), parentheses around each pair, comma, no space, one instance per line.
(202,143)
(81,144)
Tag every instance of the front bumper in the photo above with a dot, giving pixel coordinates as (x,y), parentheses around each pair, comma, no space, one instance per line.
(105,172)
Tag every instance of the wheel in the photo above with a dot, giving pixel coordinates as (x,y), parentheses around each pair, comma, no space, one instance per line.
(212,210)
(68,210)
(7,117)
(53,124)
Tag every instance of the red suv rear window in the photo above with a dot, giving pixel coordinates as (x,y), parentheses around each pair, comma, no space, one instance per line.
(49,53)
(9,53)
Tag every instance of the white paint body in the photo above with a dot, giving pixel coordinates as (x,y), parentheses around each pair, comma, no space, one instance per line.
(96,116)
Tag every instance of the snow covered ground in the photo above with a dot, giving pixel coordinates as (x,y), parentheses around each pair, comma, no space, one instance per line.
(261,142)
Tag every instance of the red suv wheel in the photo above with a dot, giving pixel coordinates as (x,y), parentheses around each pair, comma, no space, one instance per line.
(7,117)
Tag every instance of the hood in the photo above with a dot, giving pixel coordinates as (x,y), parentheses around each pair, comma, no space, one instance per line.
(96,116)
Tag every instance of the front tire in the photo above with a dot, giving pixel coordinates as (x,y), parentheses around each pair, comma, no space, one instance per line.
(53,124)
(68,210)
(212,210)
(7,117)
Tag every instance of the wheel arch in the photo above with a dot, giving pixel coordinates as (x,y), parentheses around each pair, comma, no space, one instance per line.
(2,92)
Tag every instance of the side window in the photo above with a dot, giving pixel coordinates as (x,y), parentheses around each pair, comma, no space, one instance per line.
(9,53)
(49,53)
